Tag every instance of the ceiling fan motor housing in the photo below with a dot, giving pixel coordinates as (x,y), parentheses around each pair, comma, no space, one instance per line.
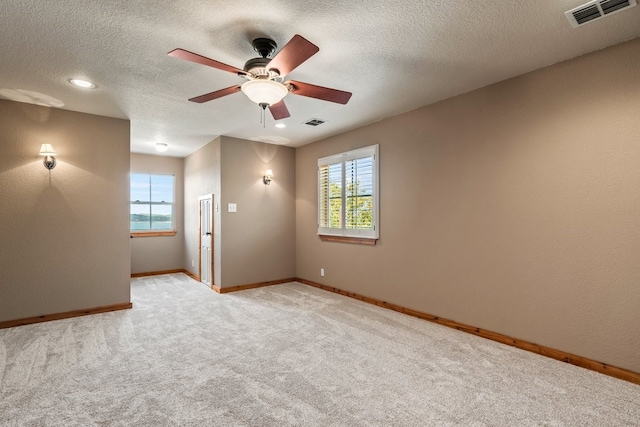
(265,47)
(258,69)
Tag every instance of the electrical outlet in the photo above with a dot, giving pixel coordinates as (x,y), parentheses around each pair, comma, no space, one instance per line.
(322,272)
(193,263)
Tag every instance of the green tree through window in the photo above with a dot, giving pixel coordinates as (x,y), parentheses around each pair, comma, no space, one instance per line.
(359,193)
(347,200)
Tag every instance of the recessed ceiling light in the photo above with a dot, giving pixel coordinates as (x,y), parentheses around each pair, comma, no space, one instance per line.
(82,83)
(280,125)
(161,147)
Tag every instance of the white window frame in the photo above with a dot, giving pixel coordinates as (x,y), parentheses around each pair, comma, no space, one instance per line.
(172,230)
(370,151)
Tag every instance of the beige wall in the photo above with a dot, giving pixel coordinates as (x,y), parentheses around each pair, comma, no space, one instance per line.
(258,241)
(64,234)
(164,252)
(513,208)
(202,177)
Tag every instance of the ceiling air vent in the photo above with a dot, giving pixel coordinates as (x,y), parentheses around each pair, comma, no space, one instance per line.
(314,122)
(597,9)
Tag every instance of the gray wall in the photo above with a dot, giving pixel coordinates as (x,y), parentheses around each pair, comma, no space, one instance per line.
(513,208)
(164,252)
(64,234)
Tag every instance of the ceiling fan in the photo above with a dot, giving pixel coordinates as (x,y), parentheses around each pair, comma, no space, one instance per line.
(265,83)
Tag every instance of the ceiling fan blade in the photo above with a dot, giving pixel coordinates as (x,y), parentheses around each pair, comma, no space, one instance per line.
(279,110)
(215,95)
(199,59)
(293,54)
(319,92)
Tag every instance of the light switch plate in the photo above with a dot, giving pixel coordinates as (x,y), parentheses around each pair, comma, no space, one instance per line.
(232,207)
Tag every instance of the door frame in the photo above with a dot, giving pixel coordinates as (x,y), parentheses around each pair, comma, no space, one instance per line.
(212,210)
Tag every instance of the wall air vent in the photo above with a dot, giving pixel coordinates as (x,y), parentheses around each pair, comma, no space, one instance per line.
(597,9)
(314,122)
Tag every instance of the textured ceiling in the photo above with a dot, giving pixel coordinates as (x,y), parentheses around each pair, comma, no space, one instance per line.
(393,57)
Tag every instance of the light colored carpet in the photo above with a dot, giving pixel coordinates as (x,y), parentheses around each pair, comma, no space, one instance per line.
(285,355)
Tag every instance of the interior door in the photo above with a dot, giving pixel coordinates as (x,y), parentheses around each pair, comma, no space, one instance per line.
(206,239)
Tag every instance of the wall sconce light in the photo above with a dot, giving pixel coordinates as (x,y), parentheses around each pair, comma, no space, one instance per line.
(48,152)
(268,175)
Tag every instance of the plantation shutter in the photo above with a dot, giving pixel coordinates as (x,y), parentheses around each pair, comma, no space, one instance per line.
(330,192)
(347,193)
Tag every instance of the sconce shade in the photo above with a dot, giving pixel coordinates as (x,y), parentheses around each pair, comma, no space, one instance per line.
(268,174)
(47,150)
(263,92)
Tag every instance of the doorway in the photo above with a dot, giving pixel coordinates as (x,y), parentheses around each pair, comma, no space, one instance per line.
(205,244)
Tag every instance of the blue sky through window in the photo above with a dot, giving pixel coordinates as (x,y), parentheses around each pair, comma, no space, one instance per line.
(151,199)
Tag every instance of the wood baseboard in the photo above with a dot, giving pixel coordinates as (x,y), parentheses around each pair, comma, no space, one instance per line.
(158,273)
(193,276)
(251,285)
(65,315)
(218,289)
(583,362)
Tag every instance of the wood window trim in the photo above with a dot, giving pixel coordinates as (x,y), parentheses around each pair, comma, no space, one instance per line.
(152,233)
(347,239)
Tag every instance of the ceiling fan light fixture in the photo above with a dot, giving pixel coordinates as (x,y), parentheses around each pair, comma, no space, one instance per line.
(262,92)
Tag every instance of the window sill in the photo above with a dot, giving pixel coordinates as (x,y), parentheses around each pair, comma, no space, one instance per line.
(345,239)
(152,233)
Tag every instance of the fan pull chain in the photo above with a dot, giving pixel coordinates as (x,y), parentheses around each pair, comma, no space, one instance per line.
(263,118)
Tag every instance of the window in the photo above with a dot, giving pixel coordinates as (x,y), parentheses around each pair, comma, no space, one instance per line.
(348,194)
(151,209)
